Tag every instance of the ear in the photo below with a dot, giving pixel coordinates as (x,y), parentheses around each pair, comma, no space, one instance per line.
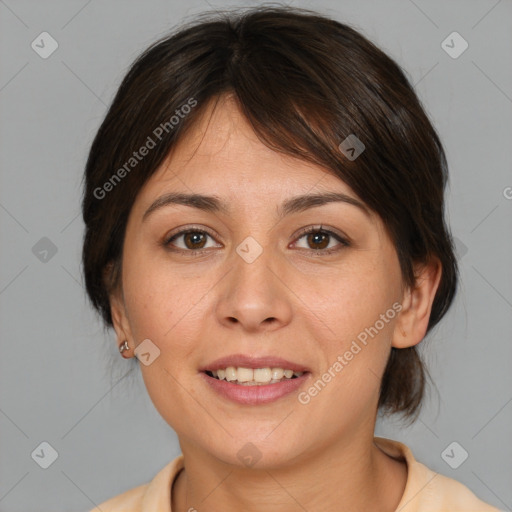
(120,318)
(414,316)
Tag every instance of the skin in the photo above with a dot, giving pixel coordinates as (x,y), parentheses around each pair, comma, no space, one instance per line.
(289,303)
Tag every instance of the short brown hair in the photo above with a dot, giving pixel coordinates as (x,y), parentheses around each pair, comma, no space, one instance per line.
(305,82)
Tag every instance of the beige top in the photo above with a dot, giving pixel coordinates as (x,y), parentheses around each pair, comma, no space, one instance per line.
(425,490)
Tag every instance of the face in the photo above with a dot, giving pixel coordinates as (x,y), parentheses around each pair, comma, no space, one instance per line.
(251,281)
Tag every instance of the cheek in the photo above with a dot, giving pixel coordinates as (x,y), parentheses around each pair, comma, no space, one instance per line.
(147,293)
(350,300)
(162,304)
(163,308)
(358,315)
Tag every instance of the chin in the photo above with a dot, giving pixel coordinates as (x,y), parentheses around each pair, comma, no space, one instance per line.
(256,452)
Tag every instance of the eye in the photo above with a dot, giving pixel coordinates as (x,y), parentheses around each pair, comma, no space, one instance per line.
(319,239)
(194,240)
(191,240)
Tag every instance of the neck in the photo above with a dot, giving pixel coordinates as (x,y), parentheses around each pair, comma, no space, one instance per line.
(353,474)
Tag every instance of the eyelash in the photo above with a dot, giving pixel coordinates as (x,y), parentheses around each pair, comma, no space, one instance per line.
(306,231)
(319,229)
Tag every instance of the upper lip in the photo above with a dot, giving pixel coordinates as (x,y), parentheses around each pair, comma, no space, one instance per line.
(253,362)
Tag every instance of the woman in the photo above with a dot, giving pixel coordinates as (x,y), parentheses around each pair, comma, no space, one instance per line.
(265,232)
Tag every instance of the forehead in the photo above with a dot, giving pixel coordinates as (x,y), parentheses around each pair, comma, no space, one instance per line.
(221,153)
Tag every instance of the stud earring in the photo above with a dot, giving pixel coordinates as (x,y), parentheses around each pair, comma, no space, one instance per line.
(124,347)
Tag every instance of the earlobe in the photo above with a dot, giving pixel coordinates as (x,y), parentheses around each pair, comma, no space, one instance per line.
(119,318)
(411,325)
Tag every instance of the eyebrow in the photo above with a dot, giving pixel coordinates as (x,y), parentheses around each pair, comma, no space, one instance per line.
(214,204)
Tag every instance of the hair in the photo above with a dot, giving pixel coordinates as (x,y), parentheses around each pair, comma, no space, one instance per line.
(305,83)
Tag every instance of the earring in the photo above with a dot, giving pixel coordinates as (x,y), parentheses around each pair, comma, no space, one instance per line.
(124,347)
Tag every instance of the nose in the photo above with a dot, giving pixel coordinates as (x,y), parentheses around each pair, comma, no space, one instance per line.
(254,296)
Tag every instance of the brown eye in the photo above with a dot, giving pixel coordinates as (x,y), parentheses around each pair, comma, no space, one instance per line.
(189,240)
(194,240)
(320,240)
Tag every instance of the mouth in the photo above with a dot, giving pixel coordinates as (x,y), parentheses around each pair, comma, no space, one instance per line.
(250,380)
(244,376)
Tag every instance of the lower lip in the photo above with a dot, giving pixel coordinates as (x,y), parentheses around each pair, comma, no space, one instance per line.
(254,395)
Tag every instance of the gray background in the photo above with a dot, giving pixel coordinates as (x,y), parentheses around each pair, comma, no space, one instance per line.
(62,380)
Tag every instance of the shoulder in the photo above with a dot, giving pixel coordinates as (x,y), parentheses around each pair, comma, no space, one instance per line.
(428,491)
(155,495)
(127,501)
(453,495)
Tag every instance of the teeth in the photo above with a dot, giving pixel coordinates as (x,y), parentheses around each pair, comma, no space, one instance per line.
(258,376)
(231,373)
(244,374)
(277,373)
(262,375)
